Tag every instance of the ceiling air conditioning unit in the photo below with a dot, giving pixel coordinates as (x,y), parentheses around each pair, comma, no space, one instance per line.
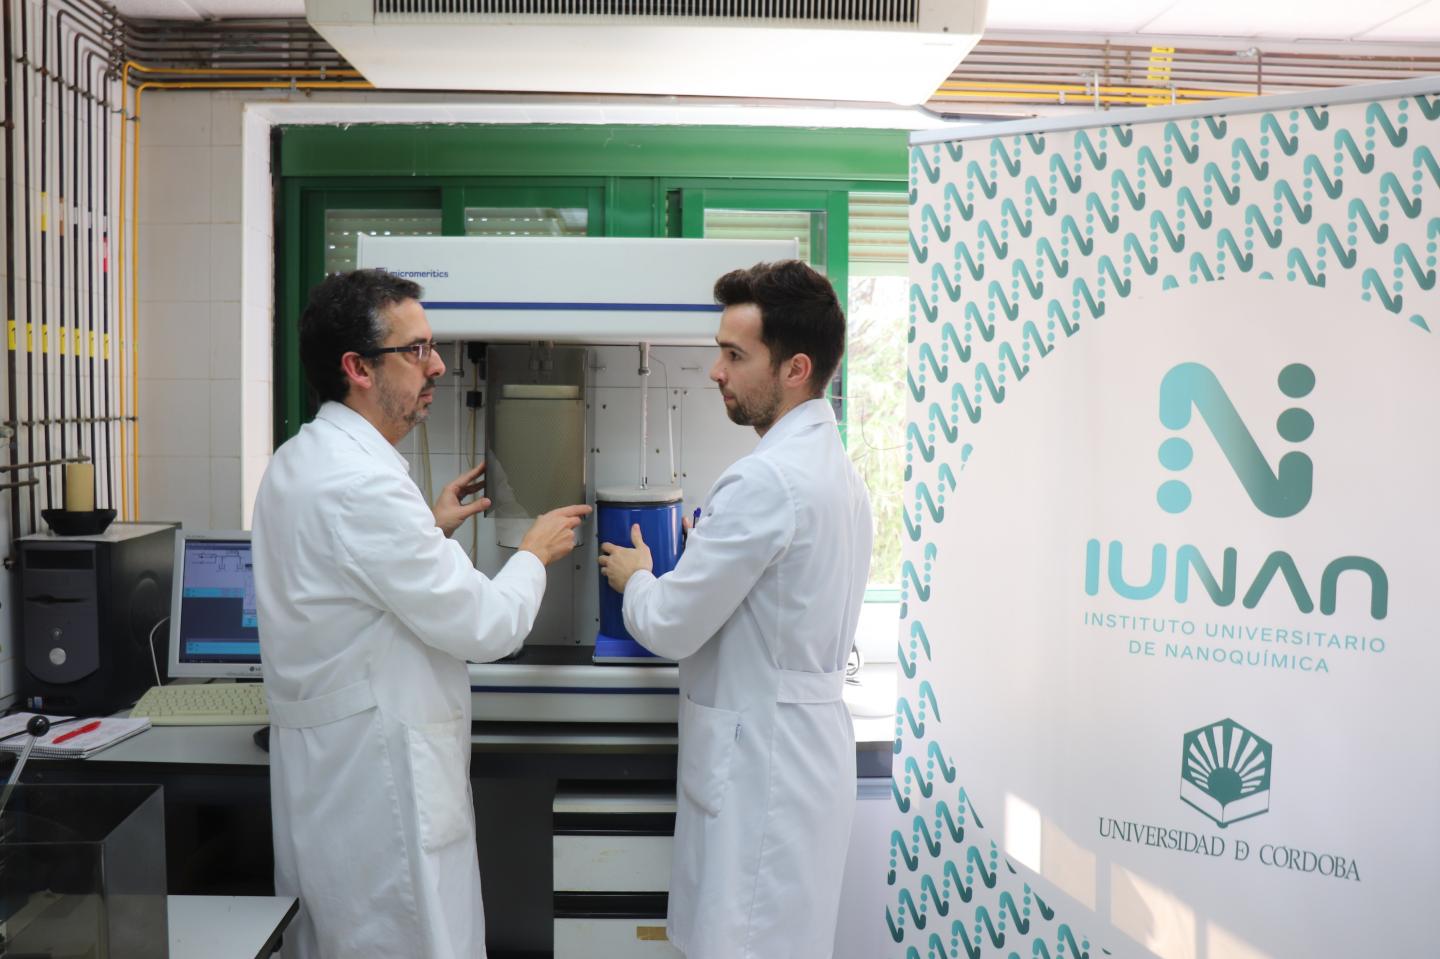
(893,51)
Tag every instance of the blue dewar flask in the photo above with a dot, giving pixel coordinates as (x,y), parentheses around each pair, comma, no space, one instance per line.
(657,510)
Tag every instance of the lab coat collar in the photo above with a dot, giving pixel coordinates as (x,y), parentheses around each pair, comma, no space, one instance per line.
(362,431)
(807,414)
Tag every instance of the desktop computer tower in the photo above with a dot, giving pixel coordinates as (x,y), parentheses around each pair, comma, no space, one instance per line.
(88,605)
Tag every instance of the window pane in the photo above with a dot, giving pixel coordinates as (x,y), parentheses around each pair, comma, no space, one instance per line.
(343,229)
(878,224)
(874,407)
(799,225)
(526,221)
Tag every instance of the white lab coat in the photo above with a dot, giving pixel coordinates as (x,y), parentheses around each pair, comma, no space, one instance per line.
(367,616)
(760,612)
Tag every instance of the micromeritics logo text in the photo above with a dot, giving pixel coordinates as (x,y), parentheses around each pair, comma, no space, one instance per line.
(1281,493)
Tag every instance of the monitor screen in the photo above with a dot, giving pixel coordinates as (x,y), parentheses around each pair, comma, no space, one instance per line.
(213,627)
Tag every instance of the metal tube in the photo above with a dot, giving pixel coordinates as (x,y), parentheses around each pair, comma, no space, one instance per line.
(10,186)
(10,467)
(77,419)
(28,332)
(45,238)
(644,413)
(62,332)
(103,346)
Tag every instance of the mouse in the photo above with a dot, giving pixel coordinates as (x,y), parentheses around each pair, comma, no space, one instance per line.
(262,738)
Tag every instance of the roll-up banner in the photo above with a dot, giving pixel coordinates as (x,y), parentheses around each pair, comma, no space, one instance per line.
(1170,610)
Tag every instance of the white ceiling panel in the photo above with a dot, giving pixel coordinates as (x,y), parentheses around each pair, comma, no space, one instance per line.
(1098,16)
(1400,21)
(1420,23)
(1276,19)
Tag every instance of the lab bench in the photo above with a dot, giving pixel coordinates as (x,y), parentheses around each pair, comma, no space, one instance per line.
(527,775)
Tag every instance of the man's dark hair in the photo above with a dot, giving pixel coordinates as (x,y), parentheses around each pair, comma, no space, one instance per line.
(343,316)
(799,313)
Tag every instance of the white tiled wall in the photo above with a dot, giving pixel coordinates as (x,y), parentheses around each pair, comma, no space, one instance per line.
(206,295)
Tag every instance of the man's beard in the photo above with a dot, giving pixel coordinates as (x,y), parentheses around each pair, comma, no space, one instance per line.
(398,409)
(758,412)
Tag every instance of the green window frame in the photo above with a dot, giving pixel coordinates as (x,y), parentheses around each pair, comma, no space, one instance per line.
(640,181)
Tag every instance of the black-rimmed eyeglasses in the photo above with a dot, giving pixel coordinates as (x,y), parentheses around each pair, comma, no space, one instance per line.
(420,352)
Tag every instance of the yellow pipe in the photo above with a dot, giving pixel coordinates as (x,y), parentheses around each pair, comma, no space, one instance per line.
(134,365)
(1050,98)
(245,71)
(1020,90)
(256,85)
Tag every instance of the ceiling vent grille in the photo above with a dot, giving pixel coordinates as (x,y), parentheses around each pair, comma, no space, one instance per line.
(888,51)
(889,12)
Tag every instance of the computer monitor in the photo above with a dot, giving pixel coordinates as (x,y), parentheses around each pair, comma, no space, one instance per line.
(213,628)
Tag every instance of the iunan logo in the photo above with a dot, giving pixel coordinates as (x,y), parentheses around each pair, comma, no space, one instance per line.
(1279,493)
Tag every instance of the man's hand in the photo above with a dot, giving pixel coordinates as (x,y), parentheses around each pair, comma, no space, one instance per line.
(619,564)
(553,534)
(450,509)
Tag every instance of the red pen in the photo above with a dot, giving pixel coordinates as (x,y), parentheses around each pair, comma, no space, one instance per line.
(87,728)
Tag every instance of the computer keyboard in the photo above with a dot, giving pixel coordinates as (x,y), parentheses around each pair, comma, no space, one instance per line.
(209,704)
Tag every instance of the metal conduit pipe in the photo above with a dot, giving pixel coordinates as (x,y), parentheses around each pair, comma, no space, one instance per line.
(61,331)
(149,25)
(77,419)
(45,238)
(255,54)
(53,242)
(212,72)
(253,58)
(11,467)
(306,45)
(77,336)
(119,366)
(28,338)
(54,375)
(295,42)
(83,339)
(96,15)
(80,28)
(105,307)
(99,26)
(10,225)
(91,243)
(102,364)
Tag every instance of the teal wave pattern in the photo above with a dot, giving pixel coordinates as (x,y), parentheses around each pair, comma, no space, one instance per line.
(1020,244)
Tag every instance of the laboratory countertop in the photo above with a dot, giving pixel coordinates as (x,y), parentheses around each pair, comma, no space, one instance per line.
(871,703)
(570,667)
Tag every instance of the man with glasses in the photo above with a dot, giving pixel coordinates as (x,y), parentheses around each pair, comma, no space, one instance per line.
(368,613)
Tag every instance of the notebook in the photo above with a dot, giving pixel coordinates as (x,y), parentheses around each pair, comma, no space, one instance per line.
(69,738)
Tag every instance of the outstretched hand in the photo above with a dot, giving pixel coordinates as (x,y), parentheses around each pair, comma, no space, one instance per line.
(619,563)
(552,536)
(450,507)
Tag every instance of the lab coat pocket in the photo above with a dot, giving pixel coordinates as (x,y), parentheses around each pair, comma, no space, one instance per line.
(439,765)
(708,738)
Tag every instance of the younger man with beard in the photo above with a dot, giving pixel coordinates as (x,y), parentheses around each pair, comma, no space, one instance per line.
(760,613)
